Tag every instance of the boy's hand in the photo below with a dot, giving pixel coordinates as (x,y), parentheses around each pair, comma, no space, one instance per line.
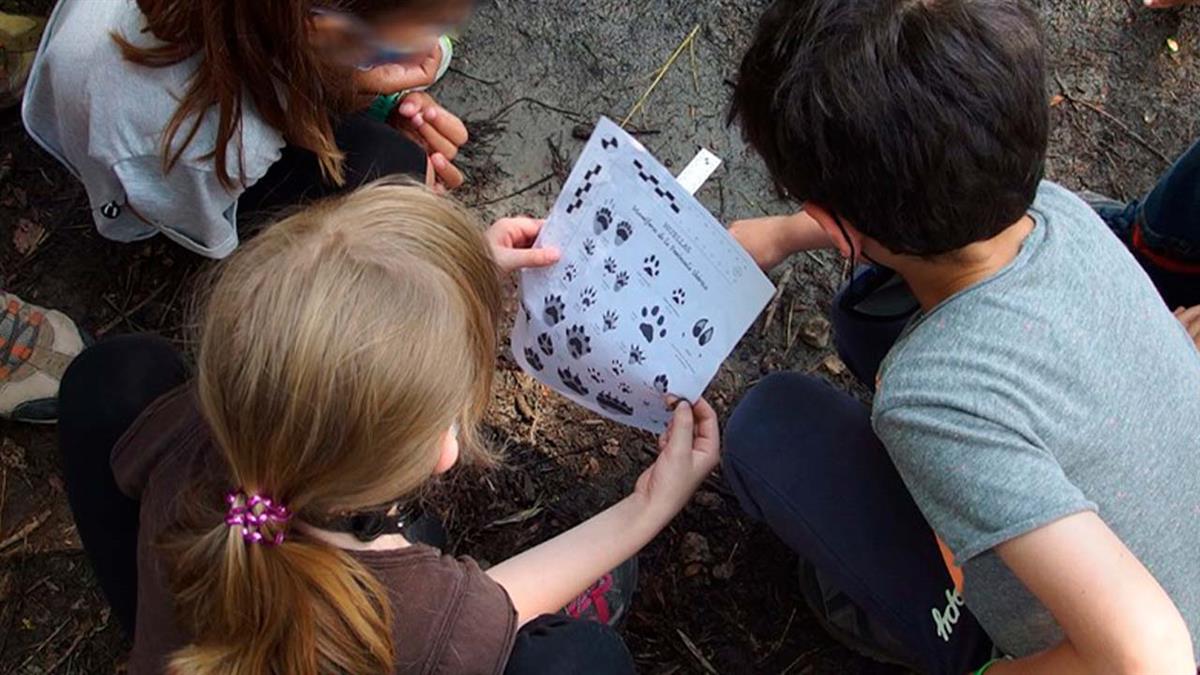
(511,240)
(437,130)
(1190,318)
(771,240)
(689,450)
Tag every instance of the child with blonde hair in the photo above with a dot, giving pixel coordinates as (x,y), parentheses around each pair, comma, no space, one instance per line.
(254,519)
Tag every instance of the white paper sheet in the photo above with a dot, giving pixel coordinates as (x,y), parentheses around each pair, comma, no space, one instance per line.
(651,294)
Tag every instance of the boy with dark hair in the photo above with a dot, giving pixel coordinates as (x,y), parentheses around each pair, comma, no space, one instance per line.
(1038,405)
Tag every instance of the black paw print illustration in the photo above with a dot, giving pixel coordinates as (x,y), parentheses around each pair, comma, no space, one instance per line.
(625,388)
(589,247)
(596,376)
(702,332)
(636,356)
(587,297)
(572,381)
(624,232)
(610,320)
(613,404)
(679,297)
(603,220)
(621,281)
(528,314)
(653,323)
(661,384)
(610,265)
(617,367)
(534,360)
(546,344)
(651,266)
(578,342)
(555,310)
(570,272)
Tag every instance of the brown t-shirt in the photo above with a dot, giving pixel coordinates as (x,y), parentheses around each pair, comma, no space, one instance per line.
(449,616)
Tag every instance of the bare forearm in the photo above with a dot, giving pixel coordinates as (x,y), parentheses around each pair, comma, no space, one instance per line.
(545,578)
(1061,660)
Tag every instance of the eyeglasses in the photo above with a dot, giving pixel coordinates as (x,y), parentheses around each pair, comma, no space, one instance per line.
(375,50)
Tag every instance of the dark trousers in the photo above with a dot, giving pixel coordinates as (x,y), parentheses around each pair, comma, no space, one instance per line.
(373,150)
(802,457)
(108,386)
(1163,231)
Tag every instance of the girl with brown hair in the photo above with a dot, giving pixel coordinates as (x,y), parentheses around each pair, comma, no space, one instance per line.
(182,117)
(345,361)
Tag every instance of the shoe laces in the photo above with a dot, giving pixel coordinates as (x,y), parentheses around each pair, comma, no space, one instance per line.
(18,335)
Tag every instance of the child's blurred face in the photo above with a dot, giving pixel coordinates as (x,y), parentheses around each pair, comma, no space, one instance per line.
(397,37)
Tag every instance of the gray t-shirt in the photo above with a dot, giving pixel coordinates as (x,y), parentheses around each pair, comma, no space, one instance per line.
(1062,384)
(104,117)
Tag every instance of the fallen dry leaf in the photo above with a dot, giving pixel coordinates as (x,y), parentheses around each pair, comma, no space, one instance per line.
(28,236)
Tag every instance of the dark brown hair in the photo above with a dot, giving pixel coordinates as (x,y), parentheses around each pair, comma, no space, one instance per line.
(259,50)
(922,122)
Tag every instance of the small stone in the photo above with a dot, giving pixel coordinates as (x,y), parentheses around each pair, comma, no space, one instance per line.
(695,548)
(693,570)
(724,571)
(593,467)
(1173,45)
(12,455)
(834,365)
(709,500)
(815,332)
(612,447)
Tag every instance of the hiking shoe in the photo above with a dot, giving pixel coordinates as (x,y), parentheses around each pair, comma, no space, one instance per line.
(607,601)
(36,346)
(19,38)
(1119,216)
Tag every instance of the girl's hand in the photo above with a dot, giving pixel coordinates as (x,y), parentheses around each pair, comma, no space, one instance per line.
(1164,4)
(437,130)
(511,240)
(389,78)
(1190,318)
(688,452)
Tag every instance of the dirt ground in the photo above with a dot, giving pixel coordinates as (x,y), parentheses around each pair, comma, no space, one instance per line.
(718,593)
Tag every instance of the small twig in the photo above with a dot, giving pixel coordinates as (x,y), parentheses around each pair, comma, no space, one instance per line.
(532,186)
(579,117)
(67,654)
(661,74)
(1138,138)
(695,652)
(695,71)
(774,306)
(26,529)
(474,78)
(3,494)
(124,316)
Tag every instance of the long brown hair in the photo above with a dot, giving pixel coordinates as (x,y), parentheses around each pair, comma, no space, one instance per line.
(260,49)
(337,348)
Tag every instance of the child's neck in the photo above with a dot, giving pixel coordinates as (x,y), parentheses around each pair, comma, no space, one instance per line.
(934,280)
(348,542)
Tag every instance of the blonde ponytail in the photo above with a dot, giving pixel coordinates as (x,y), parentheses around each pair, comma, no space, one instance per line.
(337,349)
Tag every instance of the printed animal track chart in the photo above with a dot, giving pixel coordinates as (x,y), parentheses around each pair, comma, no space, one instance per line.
(650,296)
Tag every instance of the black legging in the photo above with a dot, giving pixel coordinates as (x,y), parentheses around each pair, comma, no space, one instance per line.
(373,150)
(108,386)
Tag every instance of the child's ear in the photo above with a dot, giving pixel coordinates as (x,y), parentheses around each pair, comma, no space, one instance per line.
(447,451)
(829,224)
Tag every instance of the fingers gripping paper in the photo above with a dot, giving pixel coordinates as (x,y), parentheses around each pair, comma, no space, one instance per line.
(651,294)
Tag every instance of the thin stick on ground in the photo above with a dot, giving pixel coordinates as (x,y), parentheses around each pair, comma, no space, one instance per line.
(124,316)
(26,529)
(1116,121)
(662,72)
